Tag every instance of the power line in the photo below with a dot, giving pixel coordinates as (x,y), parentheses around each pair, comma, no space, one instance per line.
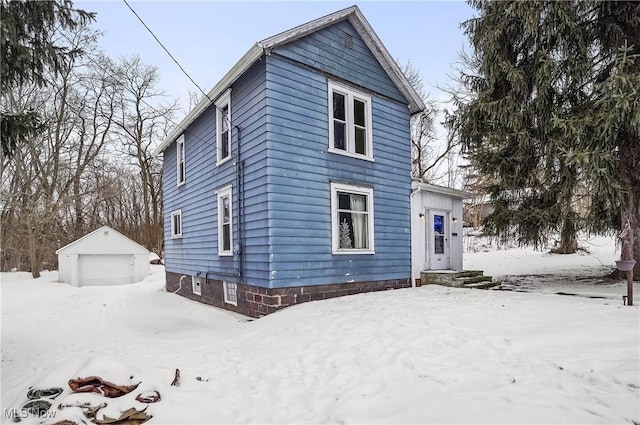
(166,50)
(142,99)
(224,115)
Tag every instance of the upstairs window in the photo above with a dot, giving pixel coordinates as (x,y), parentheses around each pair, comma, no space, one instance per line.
(351,219)
(349,122)
(176,224)
(225,221)
(180,161)
(223,127)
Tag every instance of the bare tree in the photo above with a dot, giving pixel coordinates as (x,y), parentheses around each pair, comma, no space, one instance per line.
(429,154)
(47,175)
(143,122)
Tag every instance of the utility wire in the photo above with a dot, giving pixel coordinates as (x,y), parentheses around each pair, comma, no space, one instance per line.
(225,116)
(166,50)
(153,108)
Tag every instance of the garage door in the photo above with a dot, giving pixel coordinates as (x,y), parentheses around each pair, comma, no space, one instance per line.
(105,269)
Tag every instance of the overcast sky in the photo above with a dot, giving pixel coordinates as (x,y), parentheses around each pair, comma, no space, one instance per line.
(209,37)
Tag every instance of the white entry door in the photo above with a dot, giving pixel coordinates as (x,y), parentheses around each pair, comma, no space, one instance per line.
(438,240)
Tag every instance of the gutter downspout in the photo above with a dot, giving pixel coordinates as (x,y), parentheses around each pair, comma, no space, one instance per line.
(239,250)
(411,201)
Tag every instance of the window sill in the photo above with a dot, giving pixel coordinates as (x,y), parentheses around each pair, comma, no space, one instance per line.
(225,254)
(176,236)
(351,155)
(225,160)
(354,252)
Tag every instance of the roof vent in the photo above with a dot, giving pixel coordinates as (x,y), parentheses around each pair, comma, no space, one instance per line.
(348,41)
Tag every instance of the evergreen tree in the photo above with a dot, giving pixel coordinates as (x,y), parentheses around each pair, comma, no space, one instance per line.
(28,50)
(554,116)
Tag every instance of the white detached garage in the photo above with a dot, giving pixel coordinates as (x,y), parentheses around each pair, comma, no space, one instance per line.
(103,257)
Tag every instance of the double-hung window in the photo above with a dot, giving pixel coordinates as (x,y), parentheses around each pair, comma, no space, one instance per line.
(351,219)
(223,127)
(225,221)
(349,122)
(176,224)
(181,176)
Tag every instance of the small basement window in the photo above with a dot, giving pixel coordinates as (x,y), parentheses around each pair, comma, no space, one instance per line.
(230,293)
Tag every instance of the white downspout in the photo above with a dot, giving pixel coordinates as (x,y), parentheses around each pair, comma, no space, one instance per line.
(411,203)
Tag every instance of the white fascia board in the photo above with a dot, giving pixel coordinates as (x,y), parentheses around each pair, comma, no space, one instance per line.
(361,25)
(97,231)
(373,42)
(230,77)
(427,187)
(357,19)
(304,29)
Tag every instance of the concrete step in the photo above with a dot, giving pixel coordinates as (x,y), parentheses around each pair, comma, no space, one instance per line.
(482,285)
(459,279)
(473,279)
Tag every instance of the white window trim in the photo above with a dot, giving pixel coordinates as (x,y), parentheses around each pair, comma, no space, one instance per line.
(335,225)
(224,100)
(350,136)
(222,193)
(174,233)
(195,280)
(181,164)
(225,286)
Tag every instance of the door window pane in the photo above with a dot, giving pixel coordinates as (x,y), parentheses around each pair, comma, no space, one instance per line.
(438,230)
(438,224)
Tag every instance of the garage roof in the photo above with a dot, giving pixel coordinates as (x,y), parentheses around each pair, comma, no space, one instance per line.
(104,240)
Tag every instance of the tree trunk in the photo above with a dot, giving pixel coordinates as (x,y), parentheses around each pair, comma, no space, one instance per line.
(568,245)
(568,241)
(35,261)
(630,179)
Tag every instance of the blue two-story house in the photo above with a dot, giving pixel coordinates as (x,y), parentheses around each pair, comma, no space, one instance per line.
(291,181)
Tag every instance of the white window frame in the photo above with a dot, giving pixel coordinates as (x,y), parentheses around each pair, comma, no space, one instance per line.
(181,162)
(224,193)
(196,284)
(227,298)
(223,101)
(335,222)
(350,96)
(175,232)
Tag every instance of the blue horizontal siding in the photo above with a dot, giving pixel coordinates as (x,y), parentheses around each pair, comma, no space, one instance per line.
(300,172)
(197,250)
(282,113)
(324,50)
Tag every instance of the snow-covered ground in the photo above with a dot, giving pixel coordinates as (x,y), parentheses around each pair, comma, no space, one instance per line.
(424,355)
(526,269)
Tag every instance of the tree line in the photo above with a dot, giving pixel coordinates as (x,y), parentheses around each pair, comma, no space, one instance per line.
(546,113)
(78,133)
